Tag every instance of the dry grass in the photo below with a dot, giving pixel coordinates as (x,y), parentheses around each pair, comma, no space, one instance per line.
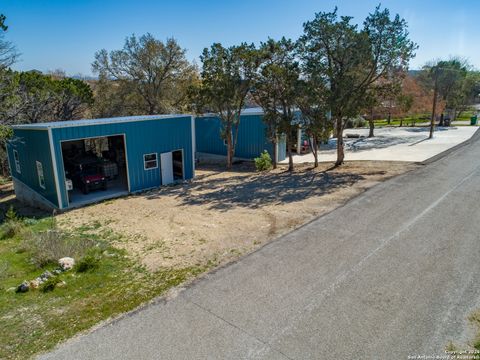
(46,247)
(220,214)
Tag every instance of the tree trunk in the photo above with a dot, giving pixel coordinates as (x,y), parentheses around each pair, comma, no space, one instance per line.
(389,119)
(229,150)
(371,124)
(275,153)
(401,122)
(289,151)
(340,149)
(151,109)
(290,161)
(442,123)
(313,142)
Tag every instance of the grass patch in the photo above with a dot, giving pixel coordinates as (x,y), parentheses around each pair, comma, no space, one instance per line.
(89,262)
(50,284)
(104,283)
(12,226)
(475,320)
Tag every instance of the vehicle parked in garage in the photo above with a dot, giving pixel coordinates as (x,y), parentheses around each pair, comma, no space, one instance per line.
(87,176)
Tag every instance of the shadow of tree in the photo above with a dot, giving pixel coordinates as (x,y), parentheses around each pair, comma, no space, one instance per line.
(378,142)
(258,189)
(426,129)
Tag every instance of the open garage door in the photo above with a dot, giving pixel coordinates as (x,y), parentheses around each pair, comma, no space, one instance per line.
(172,166)
(95,169)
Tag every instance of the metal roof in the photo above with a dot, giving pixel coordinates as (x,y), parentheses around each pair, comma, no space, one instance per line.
(89,122)
(247,111)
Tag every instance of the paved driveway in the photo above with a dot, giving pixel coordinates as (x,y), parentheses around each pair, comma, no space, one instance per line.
(393,144)
(392,273)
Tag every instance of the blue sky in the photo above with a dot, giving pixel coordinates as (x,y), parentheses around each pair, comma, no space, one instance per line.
(65,34)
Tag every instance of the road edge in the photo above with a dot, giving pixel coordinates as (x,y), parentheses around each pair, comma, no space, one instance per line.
(447,152)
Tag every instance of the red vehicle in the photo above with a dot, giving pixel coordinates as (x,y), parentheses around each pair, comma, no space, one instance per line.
(87,176)
(91,179)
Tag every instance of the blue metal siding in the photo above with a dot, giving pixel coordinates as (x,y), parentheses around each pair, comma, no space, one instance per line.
(33,146)
(207,135)
(252,140)
(141,137)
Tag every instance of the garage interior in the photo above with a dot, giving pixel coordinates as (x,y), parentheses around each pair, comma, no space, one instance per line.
(95,169)
(177,157)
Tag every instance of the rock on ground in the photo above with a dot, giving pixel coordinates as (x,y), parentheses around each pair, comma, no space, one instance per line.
(66,263)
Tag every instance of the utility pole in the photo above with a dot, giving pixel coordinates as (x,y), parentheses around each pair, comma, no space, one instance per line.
(435,92)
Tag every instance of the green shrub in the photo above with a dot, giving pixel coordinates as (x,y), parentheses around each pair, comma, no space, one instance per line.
(89,262)
(50,284)
(11,214)
(47,247)
(356,122)
(263,162)
(30,221)
(4,267)
(11,228)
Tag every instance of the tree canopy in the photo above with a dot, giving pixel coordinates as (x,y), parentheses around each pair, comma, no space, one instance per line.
(226,79)
(349,61)
(158,72)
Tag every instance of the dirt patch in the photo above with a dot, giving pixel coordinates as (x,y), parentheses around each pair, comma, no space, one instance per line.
(220,214)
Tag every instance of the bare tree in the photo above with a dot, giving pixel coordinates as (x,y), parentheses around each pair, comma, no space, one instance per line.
(153,68)
(8,52)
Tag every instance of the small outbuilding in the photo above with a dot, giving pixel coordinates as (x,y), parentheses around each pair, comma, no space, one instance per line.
(252,136)
(60,165)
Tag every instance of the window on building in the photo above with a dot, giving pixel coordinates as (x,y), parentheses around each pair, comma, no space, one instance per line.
(150,161)
(41,179)
(17,161)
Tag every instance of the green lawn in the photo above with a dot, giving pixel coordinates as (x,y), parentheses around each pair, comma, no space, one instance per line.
(420,118)
(36,321)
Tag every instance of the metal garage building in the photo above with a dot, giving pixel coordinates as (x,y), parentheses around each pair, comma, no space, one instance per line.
(252,139)
(72,163)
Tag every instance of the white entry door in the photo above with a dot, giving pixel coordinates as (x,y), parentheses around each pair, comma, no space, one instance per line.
(167,168)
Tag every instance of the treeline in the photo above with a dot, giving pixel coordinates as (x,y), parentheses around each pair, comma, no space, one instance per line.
(32,97)
(335,72)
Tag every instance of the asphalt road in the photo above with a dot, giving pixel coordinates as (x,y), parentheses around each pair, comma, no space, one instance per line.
(393,273)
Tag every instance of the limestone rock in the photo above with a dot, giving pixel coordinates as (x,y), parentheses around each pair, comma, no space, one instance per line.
(66,263)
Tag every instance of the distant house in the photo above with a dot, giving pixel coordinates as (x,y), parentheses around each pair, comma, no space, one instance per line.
(252,136)
(66,164)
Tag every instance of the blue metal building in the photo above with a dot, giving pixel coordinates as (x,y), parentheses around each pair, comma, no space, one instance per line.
(67,164)
(252,139)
